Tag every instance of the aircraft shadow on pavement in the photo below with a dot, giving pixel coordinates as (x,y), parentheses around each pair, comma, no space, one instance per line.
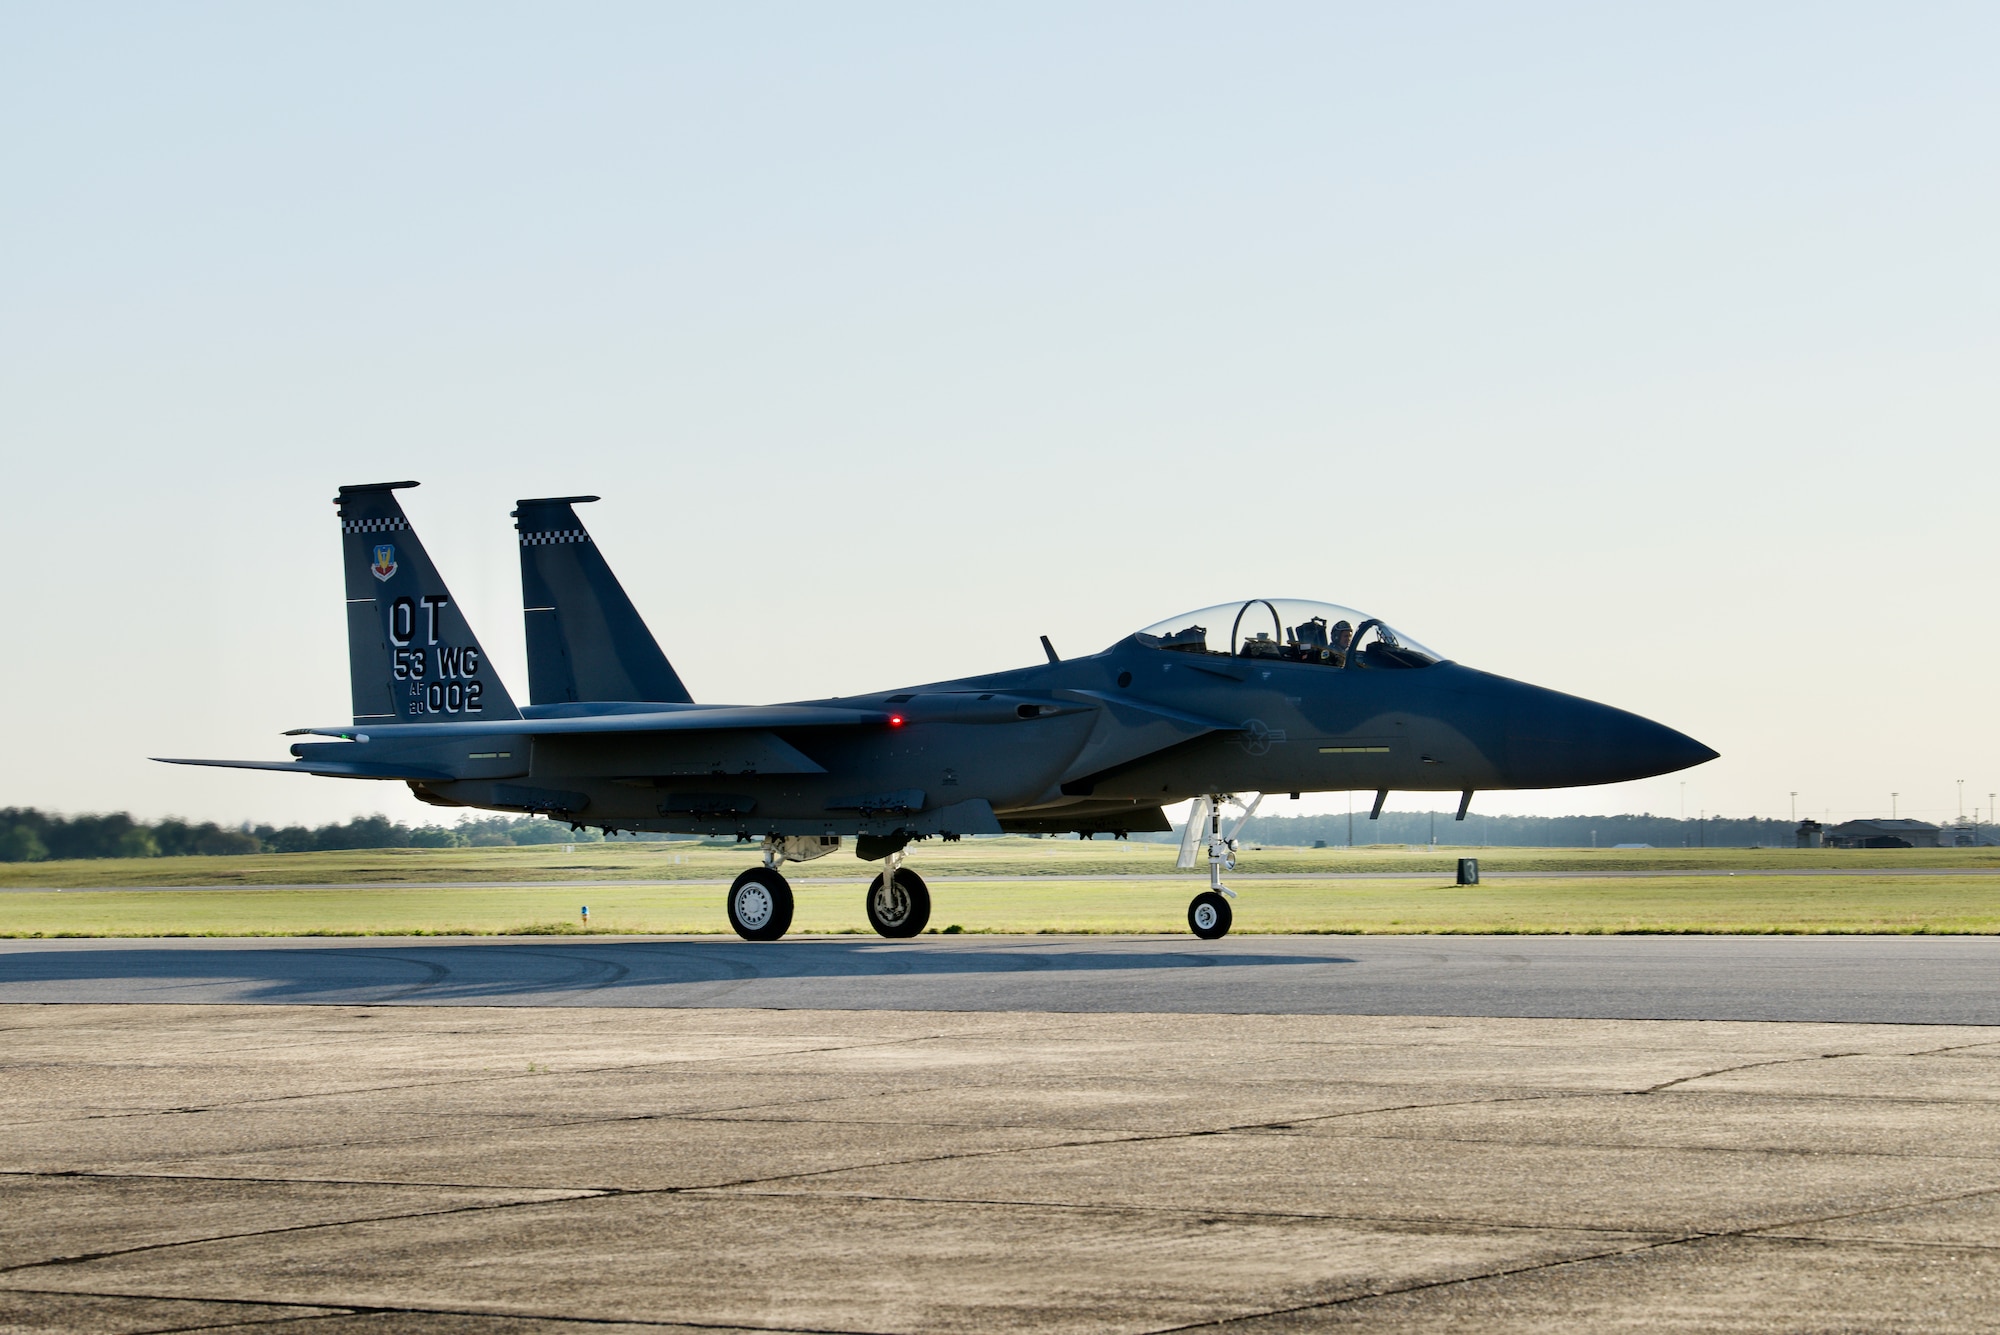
(476,971)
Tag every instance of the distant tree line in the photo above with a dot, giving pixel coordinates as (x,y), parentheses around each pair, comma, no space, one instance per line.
(28,835)
(1417,827)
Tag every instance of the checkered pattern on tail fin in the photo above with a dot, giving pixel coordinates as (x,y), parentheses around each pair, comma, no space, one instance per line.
(586,642)
(411,654)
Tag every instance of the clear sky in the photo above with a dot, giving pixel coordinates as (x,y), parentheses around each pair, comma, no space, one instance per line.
(1650,353)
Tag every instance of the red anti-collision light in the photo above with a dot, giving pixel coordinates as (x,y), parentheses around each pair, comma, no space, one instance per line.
(895,720)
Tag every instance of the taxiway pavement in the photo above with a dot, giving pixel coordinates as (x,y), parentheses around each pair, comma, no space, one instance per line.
(1853,979)
(542,1168)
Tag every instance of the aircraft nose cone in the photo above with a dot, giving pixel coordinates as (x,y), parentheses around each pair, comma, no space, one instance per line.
(1644,748)
(1560,741)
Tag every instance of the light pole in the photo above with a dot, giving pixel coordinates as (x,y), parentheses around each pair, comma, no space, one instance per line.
(1892,805)
(1961,799)
(1795,808)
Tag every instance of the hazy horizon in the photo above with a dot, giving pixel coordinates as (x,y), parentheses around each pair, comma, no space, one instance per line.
(1646,355)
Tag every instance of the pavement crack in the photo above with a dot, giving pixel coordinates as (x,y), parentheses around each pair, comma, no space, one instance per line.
(482,1077)
(85,1258)
(1916,1244)
(1954,1047)
(1096,1142)
(1748,1231)
(1948,1198)
(1207,1212)
(262,1323)
(337,1310)
(328,1311)
(1421,1286)
(550,1194)
(1745,1066)
(308,1312)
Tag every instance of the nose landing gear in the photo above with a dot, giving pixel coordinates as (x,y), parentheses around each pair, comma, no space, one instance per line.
(1209,914)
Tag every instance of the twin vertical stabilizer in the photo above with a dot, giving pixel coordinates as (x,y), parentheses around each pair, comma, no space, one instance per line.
(411,655)
(586,642)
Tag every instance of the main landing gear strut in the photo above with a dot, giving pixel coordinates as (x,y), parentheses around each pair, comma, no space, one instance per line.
(899,903)
(1209,914)
(760,900)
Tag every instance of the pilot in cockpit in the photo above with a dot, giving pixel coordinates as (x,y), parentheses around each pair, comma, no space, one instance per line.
(1297,632)
(1310,642)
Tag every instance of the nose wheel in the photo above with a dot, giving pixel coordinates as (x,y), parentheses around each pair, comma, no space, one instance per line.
(1209,916)
(760,904)
(899,903)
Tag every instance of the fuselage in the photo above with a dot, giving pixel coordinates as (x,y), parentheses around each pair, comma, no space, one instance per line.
(1092,743)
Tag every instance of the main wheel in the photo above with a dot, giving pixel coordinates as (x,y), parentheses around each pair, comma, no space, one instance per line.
(1209,915)
(760,905)
(902,909)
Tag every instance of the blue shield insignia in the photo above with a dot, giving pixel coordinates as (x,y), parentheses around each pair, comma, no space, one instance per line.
(385,561)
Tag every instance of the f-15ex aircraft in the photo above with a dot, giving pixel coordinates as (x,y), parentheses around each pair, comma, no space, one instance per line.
(1265,695)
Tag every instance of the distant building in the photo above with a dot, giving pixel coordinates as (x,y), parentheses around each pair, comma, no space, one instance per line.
(1618,846)
(1882,834)
(1963,833)
(1810,833)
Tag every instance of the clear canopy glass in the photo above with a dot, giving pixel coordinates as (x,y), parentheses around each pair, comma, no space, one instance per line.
(1293,630)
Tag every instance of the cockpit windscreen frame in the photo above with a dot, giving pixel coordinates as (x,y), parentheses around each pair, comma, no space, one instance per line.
(1302,631)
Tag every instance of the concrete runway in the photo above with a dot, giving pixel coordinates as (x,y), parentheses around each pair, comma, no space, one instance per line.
(1855,979)
(514,1169)
(972,1133)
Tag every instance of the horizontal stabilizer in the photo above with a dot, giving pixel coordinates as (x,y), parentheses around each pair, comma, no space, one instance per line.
(326,769)
(701,718)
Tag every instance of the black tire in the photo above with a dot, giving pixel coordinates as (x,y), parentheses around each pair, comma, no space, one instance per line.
(760,905)
(1209,916)
(909,906)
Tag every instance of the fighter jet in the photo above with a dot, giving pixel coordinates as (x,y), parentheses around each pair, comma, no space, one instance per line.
(1217,706)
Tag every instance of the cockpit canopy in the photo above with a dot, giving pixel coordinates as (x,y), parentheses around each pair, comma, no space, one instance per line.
(1292,630)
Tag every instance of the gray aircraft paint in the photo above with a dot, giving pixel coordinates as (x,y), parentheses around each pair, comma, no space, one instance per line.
(1095,744)
(410,653)
(586,642)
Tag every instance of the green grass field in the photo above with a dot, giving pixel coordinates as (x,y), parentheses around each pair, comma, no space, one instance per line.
(645,888)
(1015,856)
